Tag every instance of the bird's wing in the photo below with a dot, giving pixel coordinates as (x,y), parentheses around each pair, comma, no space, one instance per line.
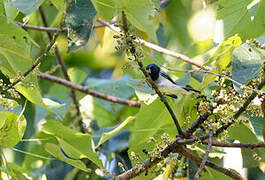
(165,75)
(189,88)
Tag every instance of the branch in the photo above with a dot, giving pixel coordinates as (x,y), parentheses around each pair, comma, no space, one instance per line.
(132,50)
(158,48)
(205,157)
(242,109)
(150,162)
(197,159)
(63,67)
(173,147)
(44,54)
(199,121)
(88,91)
(236,145)
(50,29)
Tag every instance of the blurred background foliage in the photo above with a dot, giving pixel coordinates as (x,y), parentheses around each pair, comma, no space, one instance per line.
(52,147)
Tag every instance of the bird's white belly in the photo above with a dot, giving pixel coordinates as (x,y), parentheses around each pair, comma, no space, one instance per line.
(168,87)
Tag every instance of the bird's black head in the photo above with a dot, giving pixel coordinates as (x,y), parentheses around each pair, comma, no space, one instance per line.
(153,70)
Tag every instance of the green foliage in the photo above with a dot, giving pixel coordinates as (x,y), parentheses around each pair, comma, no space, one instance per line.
(221,58)
(73,143)
(27,6)
(60,5)
(12,128)
(106,8)
(46,133)
(148,122)
(245,17)
(80,21)
(246,63)
(142,16)
(15,44)
(108,134)
(251,158)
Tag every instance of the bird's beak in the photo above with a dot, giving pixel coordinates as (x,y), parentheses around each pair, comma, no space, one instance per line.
(148,71)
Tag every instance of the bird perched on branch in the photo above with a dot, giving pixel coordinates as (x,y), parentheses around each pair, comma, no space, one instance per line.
(165,84)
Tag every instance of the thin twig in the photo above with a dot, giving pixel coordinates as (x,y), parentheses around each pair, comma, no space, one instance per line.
(50,29)
(64,70)
(132,49)
(88,91)
(208,149)
(158,48)
(197,159)
(44,54)
(236,145)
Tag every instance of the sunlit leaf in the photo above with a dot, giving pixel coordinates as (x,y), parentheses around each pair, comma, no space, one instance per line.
(11,11)
(59,4)
(106,8)
(245,17)
(15,45)
(142,16)
(221,58)
(12,128)
(77,75)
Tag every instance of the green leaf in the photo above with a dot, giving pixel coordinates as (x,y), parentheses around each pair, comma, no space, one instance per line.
(74,143)
(2,8)
(142,90)
(221,58)
(245,135)
(210,173)
(27,6)
(55,107)
(106,8)
(246,63)
(36,149)
(15,50)
(59,4)
(150,118)
(141,14)
(56,152)
(200,48)
(257,124)
(79,20)
(178,16)
(118,88)
(17,172)
(245,17)
(106,135)
(185,109)
(12,128)
(11,11)
(77,75)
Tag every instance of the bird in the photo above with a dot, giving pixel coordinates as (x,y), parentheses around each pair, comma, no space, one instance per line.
(165,83)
